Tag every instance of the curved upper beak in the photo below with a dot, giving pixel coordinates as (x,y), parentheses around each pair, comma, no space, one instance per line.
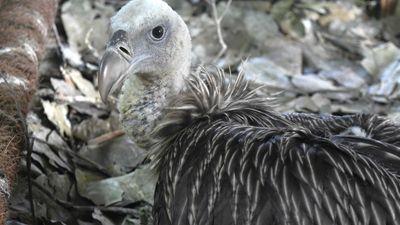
(114,64)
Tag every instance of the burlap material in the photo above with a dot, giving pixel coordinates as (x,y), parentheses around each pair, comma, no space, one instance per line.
(24,26)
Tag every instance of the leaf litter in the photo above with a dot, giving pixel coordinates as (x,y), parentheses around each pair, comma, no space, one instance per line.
(321,56)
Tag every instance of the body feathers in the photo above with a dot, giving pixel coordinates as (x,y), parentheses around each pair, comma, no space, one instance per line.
(225,157)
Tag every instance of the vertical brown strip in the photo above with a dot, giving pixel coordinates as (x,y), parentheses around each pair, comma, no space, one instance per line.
(24,26)
(388,7)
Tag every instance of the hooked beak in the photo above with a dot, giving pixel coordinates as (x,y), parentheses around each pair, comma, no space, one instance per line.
(117,63)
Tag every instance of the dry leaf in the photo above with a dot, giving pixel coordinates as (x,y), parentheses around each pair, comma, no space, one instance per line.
(57,114)
(85,86)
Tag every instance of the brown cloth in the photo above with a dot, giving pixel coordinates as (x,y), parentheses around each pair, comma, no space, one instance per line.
(24,27)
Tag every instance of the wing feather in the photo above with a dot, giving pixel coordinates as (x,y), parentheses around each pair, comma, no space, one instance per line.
(237,174)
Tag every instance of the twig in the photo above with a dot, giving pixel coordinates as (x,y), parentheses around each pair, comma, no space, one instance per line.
(217,20)
(106,137)
(59,43)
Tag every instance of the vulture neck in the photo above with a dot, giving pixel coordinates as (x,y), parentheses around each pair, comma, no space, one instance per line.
(143,101)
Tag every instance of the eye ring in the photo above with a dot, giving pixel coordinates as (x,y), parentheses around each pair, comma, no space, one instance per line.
(157,33)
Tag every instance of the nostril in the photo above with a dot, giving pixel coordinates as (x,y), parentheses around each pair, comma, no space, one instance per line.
(124,50)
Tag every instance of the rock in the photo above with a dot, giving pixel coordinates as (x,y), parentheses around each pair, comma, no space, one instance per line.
(313,83)
(263,71)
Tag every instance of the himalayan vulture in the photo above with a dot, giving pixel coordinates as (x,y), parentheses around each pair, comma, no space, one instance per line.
(223,155)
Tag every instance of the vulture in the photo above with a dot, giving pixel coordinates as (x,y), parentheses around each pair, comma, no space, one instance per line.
(223,155)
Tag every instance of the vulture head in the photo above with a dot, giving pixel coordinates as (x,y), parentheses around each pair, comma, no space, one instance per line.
(146,60)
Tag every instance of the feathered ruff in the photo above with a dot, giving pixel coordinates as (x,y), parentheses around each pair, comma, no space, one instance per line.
(214,95)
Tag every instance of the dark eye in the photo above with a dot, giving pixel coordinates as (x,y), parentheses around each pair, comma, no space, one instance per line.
(157,33)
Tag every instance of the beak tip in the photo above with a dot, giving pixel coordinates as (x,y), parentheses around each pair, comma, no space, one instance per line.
(104,99)
(102,87)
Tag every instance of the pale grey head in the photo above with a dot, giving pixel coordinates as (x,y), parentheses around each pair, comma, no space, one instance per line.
(147,57)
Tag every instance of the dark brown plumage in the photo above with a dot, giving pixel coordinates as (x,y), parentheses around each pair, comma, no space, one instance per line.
(244,163)
(224,156)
